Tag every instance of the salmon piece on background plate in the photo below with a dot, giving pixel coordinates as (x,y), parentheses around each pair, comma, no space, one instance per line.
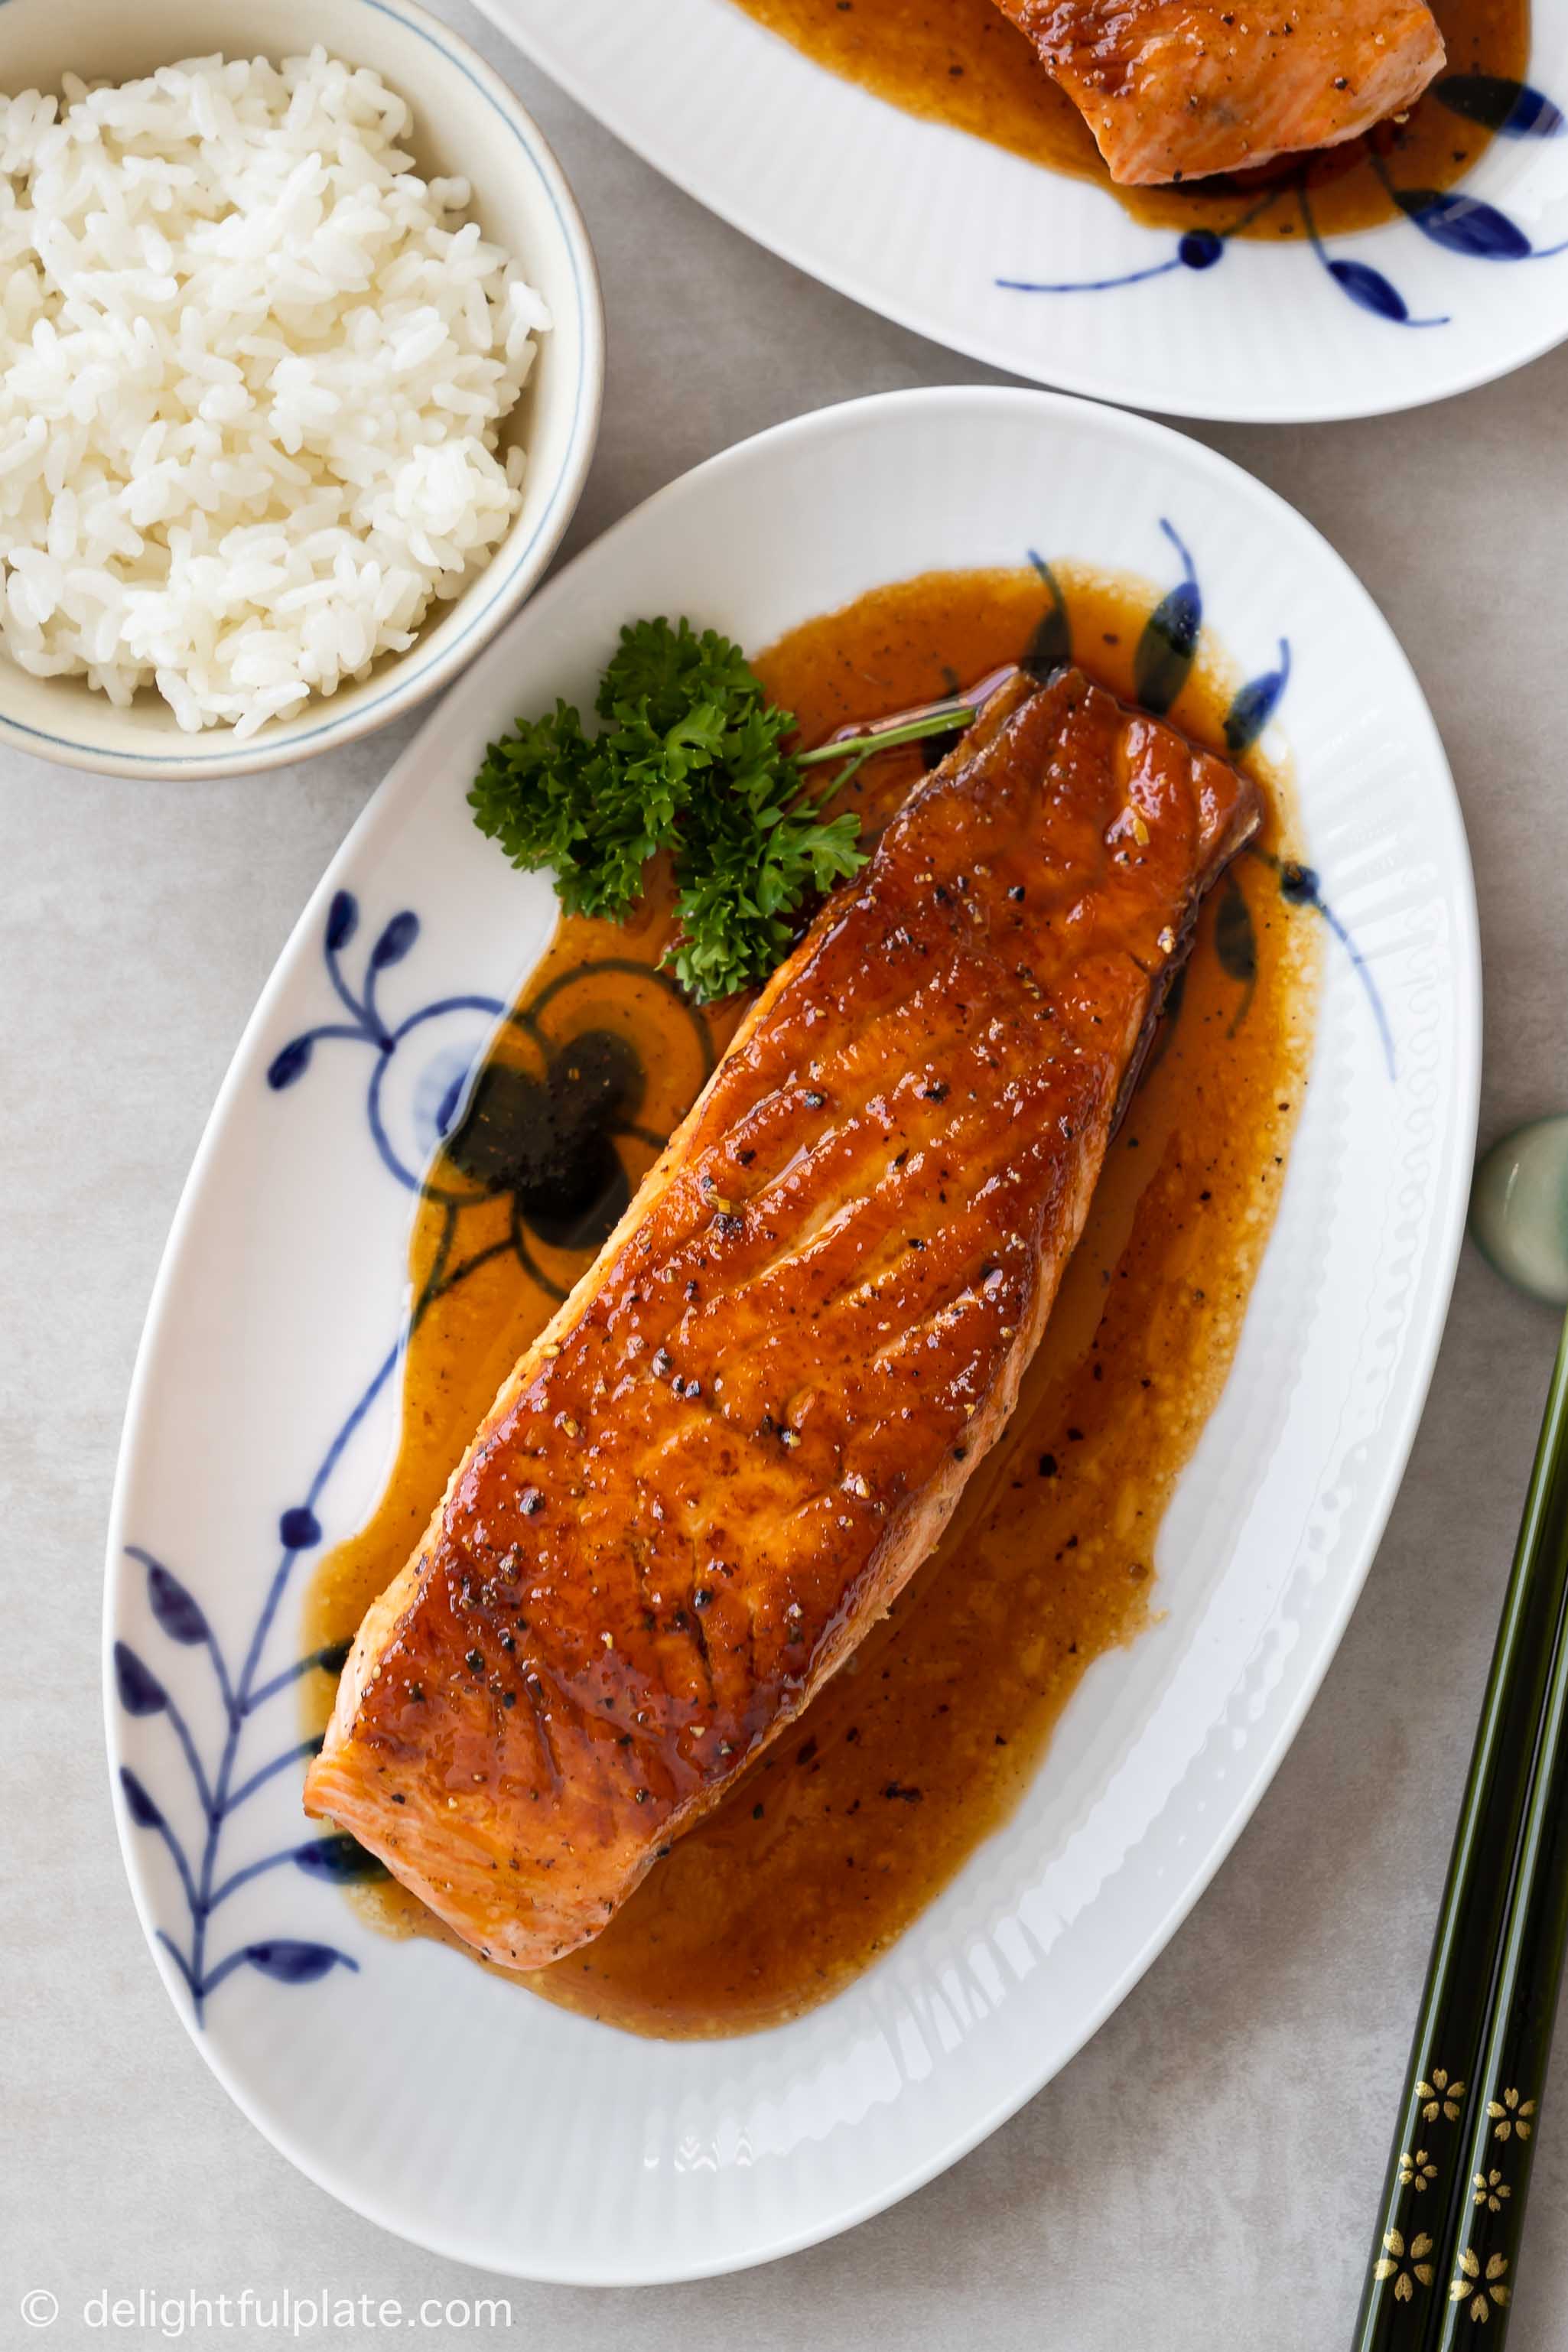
(1176,89)
(750,1421)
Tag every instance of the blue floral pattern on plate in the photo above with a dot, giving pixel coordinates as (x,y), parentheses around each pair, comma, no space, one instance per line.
(1460,225)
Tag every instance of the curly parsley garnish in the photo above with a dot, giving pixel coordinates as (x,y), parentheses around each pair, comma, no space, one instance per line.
(688,759)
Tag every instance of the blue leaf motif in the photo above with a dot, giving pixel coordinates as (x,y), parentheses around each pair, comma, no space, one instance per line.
(291,1962)
(1502,103)
(1051,645)
(342,920)
(396,940)
(1235,938)
(139,1804)
(176,1610)
(290,1064)
(1165,652)
(1369,288)
(341,1859)
(141,1691)
(1463,225)
(1256,704)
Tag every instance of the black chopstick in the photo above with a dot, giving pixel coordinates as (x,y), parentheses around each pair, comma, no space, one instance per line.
(1445,2251)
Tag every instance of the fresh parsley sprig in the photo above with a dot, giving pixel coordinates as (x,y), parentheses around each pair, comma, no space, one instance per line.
(688,759)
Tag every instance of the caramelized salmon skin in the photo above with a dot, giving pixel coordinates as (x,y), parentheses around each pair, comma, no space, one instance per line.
(1177,89)
(754,1416)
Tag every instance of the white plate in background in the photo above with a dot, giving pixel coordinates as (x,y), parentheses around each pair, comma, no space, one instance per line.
(933,228)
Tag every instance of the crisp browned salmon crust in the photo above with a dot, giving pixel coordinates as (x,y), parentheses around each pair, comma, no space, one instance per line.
(1176,89)
(752,1419)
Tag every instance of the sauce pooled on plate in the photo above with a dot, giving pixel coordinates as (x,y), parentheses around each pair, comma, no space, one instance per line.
(961,62)
(934,1728)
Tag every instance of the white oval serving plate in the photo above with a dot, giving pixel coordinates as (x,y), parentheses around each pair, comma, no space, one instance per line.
(1045,275)
(511,2133)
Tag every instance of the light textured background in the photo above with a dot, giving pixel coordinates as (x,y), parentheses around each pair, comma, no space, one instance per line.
(1205,2174)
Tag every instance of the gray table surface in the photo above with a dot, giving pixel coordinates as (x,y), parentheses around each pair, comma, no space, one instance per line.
(1205,2173)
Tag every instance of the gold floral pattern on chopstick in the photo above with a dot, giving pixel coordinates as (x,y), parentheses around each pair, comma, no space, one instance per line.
(1415,2171)
(1491,2189)
(1511,2117)
(1440,2096)
(1483,2288)
(1408,2266)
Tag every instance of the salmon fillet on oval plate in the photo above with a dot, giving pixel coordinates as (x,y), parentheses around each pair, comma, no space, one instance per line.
(266,1397)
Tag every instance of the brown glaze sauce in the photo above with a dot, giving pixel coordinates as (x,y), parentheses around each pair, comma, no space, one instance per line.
(926,1740)
(961,62)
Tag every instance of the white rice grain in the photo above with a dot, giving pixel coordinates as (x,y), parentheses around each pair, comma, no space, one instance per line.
(253,374)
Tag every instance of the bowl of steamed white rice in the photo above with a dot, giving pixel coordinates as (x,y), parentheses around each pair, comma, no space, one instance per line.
(301,364)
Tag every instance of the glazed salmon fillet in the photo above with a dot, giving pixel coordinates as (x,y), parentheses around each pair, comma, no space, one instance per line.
(753,1417)
(1176,89)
